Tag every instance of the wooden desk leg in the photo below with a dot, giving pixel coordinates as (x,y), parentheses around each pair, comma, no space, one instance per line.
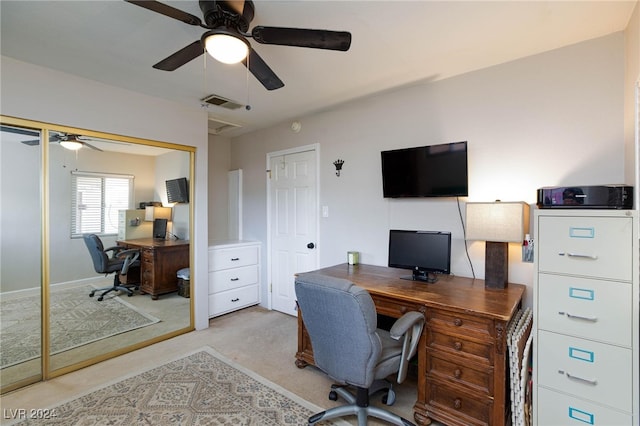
(420,419)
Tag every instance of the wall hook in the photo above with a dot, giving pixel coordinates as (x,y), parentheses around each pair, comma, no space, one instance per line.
(338,163)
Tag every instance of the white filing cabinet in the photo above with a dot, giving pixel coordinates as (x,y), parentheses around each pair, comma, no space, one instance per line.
(234,276)
(586,332)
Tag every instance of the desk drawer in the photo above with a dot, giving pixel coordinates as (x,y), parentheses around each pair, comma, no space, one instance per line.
(393,308)
(591,370)
(454,406)
(453,323)
(479,352)
(228,279)
(230,300)
(459,370)
(588,246)
(593,309)
(232,257)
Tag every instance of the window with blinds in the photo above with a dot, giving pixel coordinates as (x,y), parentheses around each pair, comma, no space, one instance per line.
(96,199)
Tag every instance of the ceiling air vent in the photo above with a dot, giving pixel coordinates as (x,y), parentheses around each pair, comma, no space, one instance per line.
(221,102)
(217,126)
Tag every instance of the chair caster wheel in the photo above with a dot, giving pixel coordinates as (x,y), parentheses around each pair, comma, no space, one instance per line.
(333,396)
(100,298)
(91,294)
(129,294)
(389,398)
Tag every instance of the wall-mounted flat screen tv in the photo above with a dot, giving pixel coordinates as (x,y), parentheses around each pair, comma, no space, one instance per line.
(177,190)
(426,253)
(426,171)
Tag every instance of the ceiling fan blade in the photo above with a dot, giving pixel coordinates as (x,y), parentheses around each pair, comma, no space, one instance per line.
(167,10)
(181,57)
(262,72)
(317,39)
(34,142)
(19,131)
(91,146)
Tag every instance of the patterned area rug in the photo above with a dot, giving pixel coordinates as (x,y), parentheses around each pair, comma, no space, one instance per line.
(203,388)
(76,320)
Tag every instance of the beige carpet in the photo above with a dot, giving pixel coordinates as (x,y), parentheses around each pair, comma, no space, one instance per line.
(257,339)
(76,320)
(202,388)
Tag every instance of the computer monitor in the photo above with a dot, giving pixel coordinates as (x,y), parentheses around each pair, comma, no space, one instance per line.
(426,253)
(160,229)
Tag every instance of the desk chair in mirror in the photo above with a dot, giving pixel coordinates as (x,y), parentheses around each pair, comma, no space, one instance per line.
(118,263)
(340,318)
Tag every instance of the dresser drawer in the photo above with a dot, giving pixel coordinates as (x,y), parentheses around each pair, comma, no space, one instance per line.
(453,323)
(594,309)
(230,300)
(584,368)
(589,246)
(480,352)
(232,257)
(455,406)
(459,370)
(571,411)
(228,279)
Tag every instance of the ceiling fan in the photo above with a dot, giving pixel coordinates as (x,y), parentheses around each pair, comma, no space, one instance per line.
(68,141)
(227,22)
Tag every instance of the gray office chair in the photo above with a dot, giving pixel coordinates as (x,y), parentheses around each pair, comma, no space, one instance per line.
(341,320)
(119,262)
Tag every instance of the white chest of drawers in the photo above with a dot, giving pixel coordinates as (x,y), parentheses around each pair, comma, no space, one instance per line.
(234,276)
(586,331)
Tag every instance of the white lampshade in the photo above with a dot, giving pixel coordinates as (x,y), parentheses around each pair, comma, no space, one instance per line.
(152,213)
(73,145)
(226,47)
(498,221)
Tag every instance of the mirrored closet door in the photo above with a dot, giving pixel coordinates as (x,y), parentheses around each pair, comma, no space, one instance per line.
(93,183)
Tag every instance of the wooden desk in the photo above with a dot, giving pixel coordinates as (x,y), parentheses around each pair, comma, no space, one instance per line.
(462,357)
(160,260)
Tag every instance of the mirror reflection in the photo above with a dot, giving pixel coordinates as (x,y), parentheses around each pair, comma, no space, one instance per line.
(20,256)
(118,248)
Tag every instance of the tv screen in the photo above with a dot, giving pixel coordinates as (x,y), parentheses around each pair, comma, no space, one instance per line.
(426,171)
(177,190)
(426,253)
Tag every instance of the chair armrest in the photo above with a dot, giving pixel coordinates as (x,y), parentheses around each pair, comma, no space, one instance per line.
(403,323)
(130,256)
(410,327)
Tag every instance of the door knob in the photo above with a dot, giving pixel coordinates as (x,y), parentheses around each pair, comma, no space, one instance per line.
(311,245)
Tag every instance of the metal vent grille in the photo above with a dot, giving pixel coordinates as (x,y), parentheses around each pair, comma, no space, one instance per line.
(221,102)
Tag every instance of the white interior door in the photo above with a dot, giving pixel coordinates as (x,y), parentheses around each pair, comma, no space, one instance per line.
(294,224)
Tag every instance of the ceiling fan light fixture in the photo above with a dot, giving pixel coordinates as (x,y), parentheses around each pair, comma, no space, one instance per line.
(73,145)
(226,46)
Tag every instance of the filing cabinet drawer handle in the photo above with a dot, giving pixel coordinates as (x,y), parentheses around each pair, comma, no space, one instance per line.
(235,259)
(579,255)
(457,403)
(580,317)
(235,299)
(457,373)
(457,322)
(578,378)
(457,346)
(235,279)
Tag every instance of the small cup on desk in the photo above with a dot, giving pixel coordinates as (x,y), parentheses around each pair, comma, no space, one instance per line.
(353,257)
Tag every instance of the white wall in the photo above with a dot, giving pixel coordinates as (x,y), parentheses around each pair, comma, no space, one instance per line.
(219,157)
(631,106)
(551,119)
(42,94)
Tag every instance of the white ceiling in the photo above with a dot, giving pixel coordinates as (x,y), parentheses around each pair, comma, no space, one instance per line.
(394,43)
